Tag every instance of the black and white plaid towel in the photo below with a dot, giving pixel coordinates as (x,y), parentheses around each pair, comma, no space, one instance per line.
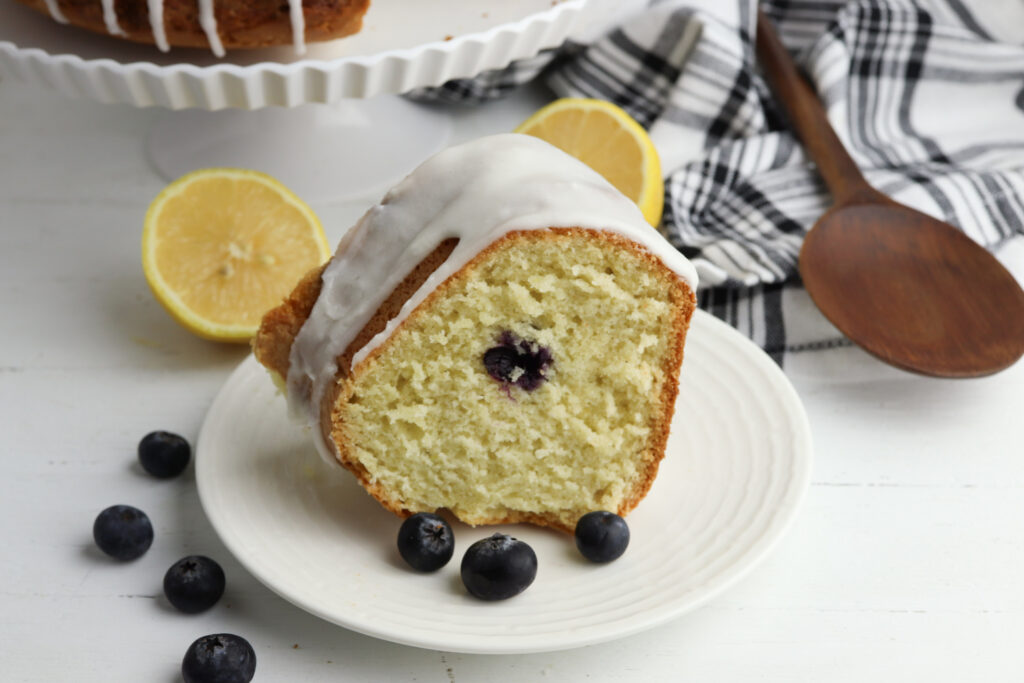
(928,95)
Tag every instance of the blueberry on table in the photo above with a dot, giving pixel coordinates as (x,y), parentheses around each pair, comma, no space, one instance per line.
(123,532)
(194,583)
(426,542)
(164,454)
(219,658)
(498,567)
(602,536)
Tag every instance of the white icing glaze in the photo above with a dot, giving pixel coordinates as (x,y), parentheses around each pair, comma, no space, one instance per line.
(477,192)
(55,12)
(298,26)
(207,20)
(110,18)
(209,23)
(156,24)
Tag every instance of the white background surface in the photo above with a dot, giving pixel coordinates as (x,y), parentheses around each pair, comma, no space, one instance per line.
(904,565)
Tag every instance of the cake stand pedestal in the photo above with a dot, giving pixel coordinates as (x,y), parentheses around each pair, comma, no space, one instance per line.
(322,151)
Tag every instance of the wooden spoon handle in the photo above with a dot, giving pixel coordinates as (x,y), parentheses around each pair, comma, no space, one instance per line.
(808,117)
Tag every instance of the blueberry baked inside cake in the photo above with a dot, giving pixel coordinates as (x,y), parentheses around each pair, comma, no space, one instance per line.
(216,24)
(500,337)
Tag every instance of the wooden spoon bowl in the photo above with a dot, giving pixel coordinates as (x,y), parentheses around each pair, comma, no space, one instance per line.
(913,291)
(910,289)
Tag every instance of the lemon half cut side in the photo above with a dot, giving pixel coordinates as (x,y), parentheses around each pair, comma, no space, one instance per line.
(610,141)
(221,246)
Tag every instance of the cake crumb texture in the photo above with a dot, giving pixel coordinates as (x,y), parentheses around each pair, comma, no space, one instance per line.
(425,426)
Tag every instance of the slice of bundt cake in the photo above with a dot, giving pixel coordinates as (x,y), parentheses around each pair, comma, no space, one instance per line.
(217,24)
(501,337)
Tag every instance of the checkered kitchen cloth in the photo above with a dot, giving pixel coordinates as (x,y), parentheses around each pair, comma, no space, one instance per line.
(928,95)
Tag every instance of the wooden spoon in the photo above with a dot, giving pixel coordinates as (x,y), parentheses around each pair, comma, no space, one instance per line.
(912,290)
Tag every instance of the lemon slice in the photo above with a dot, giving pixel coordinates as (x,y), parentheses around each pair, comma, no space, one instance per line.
(608,140)
(221,246)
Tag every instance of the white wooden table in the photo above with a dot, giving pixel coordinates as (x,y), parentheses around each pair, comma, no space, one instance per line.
(905,564)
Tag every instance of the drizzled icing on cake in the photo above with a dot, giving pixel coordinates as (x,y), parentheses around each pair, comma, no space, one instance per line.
(298,26)
(476,192)
(54,9)
(110,19)
(156,24)
(207,21)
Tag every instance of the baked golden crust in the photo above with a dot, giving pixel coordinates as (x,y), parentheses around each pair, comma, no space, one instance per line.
(240,23)
(273,343)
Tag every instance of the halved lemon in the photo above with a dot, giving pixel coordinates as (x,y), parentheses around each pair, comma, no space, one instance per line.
(221,246)
(610,141)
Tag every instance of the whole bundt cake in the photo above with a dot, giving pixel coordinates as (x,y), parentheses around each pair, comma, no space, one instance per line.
(500,337)
(217,24)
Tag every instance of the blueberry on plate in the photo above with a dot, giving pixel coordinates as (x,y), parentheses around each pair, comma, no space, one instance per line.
(426,542)
(123,532)
(194,583)
(219,658)
(602,536)
(498,567)
(164,454)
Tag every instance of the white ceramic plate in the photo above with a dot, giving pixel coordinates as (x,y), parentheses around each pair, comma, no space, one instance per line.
(737,466)
(403,45)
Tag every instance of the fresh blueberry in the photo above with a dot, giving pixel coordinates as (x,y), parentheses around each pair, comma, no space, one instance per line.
(194,583)
(498,567)
(219,658)
(123,532)
(426,542)
(164,454)
(602,536)
(519,362)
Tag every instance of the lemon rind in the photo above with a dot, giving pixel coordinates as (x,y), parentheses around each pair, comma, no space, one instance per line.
(651,199)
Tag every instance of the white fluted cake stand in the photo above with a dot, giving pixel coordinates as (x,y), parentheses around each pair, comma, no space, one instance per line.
(362,138)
